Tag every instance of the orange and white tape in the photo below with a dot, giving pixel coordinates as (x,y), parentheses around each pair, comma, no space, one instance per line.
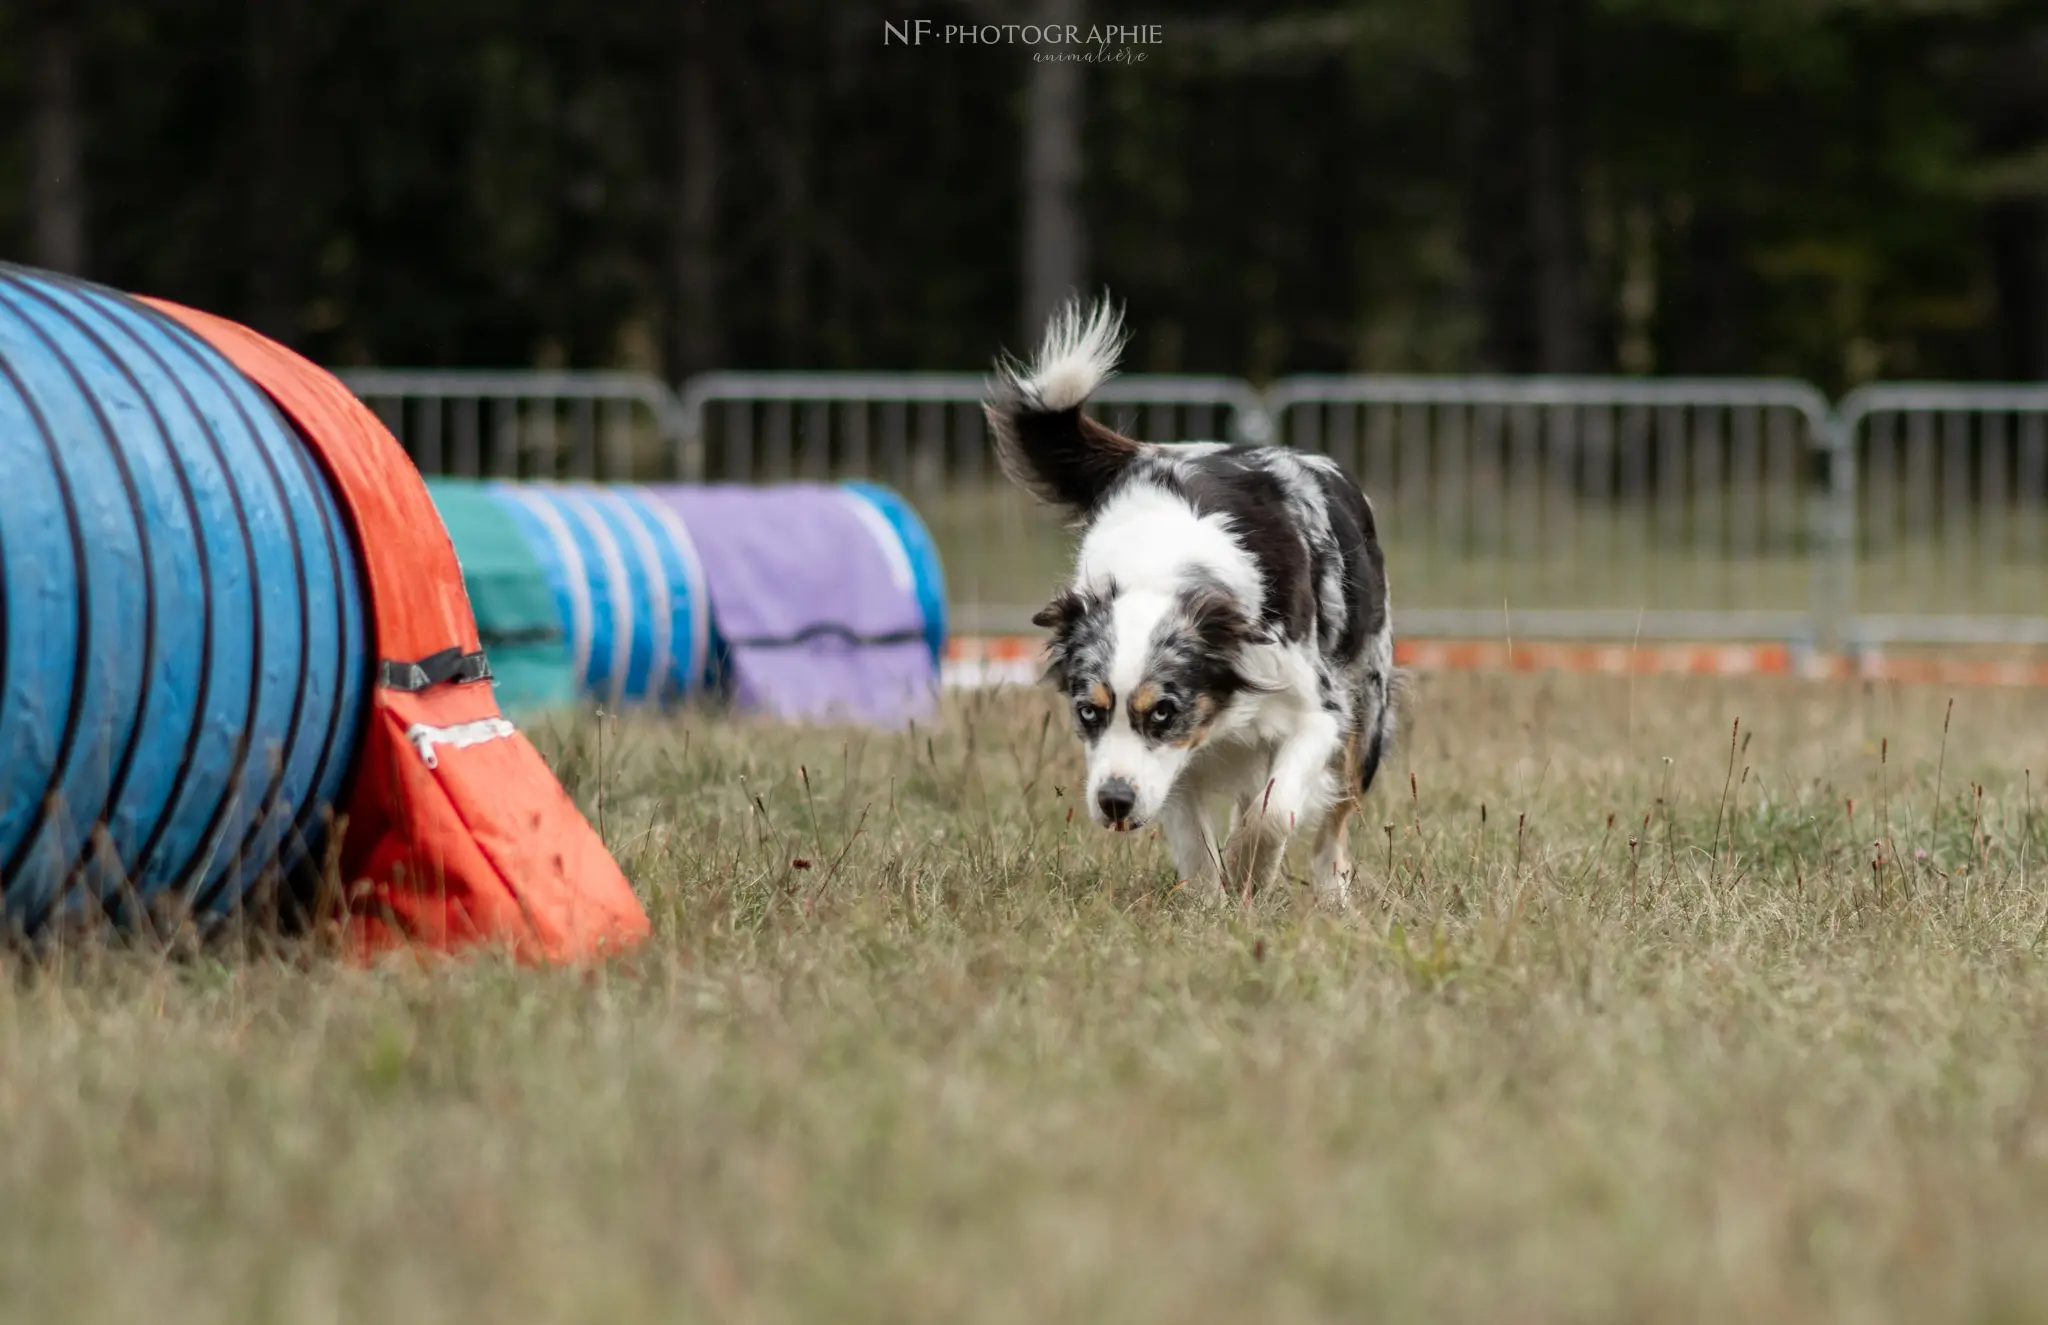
(982,662)
(1622,659)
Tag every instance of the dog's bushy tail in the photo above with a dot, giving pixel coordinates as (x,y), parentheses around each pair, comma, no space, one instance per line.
(1044,443)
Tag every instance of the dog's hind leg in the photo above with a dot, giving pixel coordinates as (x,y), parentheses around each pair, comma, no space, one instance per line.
(1330,863)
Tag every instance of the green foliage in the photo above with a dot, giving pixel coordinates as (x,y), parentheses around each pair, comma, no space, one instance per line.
(1828,188)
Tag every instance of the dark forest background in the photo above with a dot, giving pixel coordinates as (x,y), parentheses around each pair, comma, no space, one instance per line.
(1832,189)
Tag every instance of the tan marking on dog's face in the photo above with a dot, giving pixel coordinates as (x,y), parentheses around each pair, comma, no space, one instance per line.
(1099,696)
(1205,717)
(1142,701)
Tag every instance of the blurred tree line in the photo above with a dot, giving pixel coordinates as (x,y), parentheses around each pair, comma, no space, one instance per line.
(1833,189)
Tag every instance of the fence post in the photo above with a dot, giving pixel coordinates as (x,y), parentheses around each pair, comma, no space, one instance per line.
(689,431)
(1834,557)
(1253,423)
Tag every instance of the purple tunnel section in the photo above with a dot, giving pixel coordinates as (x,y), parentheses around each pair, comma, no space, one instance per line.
(818,609)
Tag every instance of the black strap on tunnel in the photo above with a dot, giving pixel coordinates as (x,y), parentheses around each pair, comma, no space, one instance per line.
(823,630)
(506,639)
(447,665)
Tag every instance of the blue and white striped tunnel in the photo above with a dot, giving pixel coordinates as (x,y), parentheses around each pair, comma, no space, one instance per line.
(184,657)
(630,586)
(914,543)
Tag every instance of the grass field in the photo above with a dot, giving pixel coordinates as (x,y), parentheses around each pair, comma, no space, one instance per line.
(1634,1022)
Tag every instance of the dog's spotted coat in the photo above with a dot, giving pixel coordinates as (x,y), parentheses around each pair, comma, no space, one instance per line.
(1225,636)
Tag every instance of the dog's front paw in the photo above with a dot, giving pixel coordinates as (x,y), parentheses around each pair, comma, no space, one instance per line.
(1252,855)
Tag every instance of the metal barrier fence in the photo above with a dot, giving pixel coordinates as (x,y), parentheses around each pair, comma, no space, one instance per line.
(1587,507)
(917,429)
(1946,499)
(611,426)
(924,433)
(1590,508)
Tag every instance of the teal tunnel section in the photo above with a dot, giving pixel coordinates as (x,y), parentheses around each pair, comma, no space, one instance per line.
(628,586)
(517,617)
(628,581)
(184,652)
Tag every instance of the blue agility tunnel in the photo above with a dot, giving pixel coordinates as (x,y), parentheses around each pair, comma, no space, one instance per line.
(184,659)
(802,600)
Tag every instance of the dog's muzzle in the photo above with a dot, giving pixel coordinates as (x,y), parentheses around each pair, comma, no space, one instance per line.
(1117,799)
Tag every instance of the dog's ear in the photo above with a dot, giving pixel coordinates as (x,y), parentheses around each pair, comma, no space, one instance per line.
(1226,634)
(1219,621)
(1058,612)
(1067,606)
(1064,616)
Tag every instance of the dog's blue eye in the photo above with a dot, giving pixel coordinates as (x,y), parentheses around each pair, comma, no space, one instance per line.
(1087,712)
(1163,713)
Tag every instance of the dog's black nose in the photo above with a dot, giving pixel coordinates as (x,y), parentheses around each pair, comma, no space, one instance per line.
(1117,799)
